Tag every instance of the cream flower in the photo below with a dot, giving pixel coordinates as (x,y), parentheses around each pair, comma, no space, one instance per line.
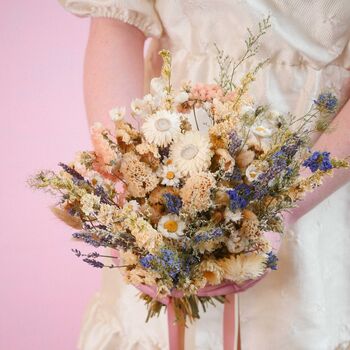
(255,169)
(252,172)
(161,128)
(171,226)
(89,202)
(181,97)
(106,213)
(117,113)
(226,161)
(128,258)
(141,108)
(195,194)
(170,176)
(262,130)
(157,86)
(211,271)
(244,267)
(236,243)
(247,109)
(232,216)
(146,236)
(132,205)
(191,153)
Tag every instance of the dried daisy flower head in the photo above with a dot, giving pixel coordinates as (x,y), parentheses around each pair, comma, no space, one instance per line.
(191,153)
(161,128)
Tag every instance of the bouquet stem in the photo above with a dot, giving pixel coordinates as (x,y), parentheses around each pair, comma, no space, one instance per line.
(231,323)
(176,326)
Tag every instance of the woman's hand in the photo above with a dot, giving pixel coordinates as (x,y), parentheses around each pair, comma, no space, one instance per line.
(113,69)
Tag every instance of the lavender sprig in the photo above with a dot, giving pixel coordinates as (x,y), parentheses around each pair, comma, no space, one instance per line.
(90,259)
(72,172)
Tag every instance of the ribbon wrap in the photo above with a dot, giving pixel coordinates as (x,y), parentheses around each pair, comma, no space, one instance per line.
(231,314)
(228,289)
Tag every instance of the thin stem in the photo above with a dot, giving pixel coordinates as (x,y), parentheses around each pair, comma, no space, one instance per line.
(195,118)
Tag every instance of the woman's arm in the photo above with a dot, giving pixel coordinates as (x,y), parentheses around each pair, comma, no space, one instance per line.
(113,69)
(338,143)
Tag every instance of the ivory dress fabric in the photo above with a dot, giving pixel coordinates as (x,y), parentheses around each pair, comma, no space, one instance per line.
(305,305)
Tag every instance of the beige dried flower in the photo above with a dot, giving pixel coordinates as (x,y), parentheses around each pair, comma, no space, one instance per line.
(243,267)
(149,154)
(211,271)
(250,229)
(244,158)
(224,159)
(219,133)
(196,193)
(139,177)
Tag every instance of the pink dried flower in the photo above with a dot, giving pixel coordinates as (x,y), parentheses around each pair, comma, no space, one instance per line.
(205,92)
(101,146)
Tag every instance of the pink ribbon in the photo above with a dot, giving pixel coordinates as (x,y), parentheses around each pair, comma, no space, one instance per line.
(227,289)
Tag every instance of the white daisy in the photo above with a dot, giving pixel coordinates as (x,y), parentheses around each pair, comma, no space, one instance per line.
(161,128)
(262,130)
(255,169)
(170,176)
(252,172)
(171,226)
(117,113)
(191,153)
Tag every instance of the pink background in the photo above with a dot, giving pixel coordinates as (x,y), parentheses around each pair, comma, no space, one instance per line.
(44,287)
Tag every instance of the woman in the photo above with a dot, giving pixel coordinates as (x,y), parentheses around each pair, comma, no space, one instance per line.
(305,305)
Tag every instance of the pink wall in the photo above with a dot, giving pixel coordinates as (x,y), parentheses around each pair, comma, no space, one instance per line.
(44,288)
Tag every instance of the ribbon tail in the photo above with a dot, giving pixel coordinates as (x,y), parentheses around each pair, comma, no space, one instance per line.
(176,328)
(231,323)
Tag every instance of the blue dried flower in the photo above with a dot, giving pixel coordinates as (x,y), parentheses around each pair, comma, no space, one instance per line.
(235,175)
(167,261)
(318,161)
(207,236)
(86,237)
(171,262)
(173,203)
(189,261)
(272,261)
(147,260)
(234,143)
(327,102)
(240,196)
(260,189)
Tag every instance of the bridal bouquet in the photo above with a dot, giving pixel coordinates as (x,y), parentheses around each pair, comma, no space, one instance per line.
(187,208)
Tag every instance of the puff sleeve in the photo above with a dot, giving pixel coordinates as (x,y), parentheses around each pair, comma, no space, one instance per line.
(139,13)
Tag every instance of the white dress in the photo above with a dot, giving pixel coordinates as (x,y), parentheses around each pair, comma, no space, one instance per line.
(305,305)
